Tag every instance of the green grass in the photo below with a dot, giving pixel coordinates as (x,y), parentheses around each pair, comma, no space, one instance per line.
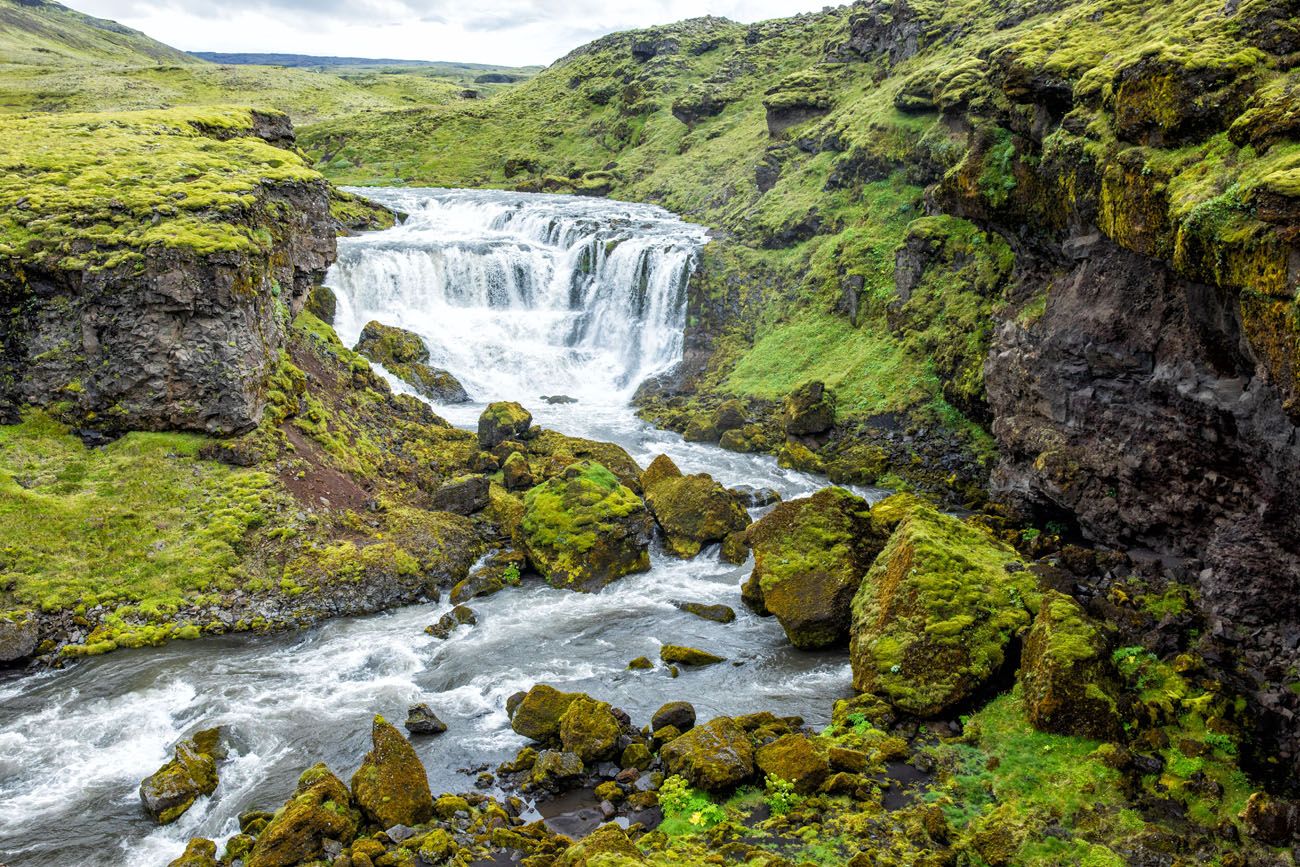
(44,33)
(141,521)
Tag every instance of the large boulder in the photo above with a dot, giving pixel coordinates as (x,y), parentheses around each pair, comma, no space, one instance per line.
(934,616)
(810,556)
(501,421)
(192,773)
(19,635)
(583,529)
(1065,672)
(589,730)
(809,409)
(692,511)
(539,714)
(391,786)
(715,756)
(796,759)
(554,451)
(320,810)
(403,354)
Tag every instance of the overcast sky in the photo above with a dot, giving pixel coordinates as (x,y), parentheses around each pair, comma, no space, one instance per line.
(506,32)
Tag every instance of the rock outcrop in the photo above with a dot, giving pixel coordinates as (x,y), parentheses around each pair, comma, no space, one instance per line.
(403,354)
(192,773)
(390,787)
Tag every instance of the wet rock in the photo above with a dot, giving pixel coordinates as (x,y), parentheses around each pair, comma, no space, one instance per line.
(755,498)
(501,421)
(403,354)
(934,617)
(678,714)
(641,663)
(421,720)
(558,399)
(516,474)
(466,495)
(391,786)
(675,654)
(199,852)
(730,415)
(1065,672)
(809,409)
(19,635)
(584,529)
(192,773)
(589,730)
(716,613)
(322,304)
(539,713)
(715,756)
(321,810)
(458,616)
(692,511)
(794,759)
(556,771)
(810,555)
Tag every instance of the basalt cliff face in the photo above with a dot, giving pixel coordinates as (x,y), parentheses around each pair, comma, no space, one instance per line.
(167,336)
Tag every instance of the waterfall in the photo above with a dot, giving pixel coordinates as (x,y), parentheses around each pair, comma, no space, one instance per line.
(523,294)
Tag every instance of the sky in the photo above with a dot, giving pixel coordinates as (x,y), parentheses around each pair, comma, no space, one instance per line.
(503,32)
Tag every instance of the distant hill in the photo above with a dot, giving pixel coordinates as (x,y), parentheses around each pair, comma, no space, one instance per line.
(496,74)
(45,33)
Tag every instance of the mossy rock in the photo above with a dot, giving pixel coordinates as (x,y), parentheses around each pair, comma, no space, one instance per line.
(199,852)
(539,714)
(584,529)
(636,755)
(809,557)
(641,663)
(809,409)
(794,455)
(322,304)
(556,771)
(714,757)
(675,654)
(1065,672)
(501,421)
(715,613)
(191,774)
(700,429)
(320,810)
(730,415)
(516,474)
(692,511)
(391,786)
(678,714)
(563,450)
(589,730)
(404,355)
(661,469)
(935,615)
(608,845)
(795,758)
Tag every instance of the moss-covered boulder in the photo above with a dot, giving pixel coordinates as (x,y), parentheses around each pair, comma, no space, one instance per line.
(715,756)
(19,635)
(676,654)
(796,759)
(589,729)
(809,557)
(608,845)
(678,714)
(516,475)
(199,852)
(191,774)
(809,409)
(556,771)
(554,451)
(537,716)
(1065,672)
(934,616)
(502,421)
(584,529)
(320,810)
(403,354)
(391,786)
(705,611)
(692,511)
(322,303)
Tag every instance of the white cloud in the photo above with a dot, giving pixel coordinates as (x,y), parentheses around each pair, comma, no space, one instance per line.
(507,32)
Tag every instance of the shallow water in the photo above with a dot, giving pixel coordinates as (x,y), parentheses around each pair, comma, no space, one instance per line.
(75,744)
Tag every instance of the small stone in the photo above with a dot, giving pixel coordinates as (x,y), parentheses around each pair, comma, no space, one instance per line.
(716,613)
(678,714)
(641,663)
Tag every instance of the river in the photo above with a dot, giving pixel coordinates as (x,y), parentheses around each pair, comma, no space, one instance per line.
(519,296)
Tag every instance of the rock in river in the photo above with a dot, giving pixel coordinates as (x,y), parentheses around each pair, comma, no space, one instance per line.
(192,772)
(391,787)
(404,355)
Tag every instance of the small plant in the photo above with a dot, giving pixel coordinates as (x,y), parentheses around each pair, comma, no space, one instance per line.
(781,796)
(1030,534)
(510,575)
(686,811)
(1222,743)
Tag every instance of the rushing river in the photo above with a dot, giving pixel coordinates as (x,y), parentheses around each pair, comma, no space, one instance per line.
(519,296)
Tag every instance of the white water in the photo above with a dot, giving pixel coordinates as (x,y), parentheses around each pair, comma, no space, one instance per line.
(74,745)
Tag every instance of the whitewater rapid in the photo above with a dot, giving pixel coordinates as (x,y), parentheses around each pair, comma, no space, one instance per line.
(490,281)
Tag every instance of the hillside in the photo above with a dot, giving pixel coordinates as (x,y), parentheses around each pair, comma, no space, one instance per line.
(1047,253)
(45,33)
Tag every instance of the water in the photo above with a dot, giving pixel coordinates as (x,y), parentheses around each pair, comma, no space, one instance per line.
(483,277)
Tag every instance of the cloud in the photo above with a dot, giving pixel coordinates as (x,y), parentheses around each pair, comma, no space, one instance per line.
(505,32)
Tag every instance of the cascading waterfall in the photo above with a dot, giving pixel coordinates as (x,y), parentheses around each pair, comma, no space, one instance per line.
(526,294)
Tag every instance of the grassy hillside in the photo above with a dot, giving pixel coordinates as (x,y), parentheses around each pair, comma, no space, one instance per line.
(45,33)
(809,144)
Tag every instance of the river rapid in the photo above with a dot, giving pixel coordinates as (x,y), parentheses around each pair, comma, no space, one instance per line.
(519,296)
